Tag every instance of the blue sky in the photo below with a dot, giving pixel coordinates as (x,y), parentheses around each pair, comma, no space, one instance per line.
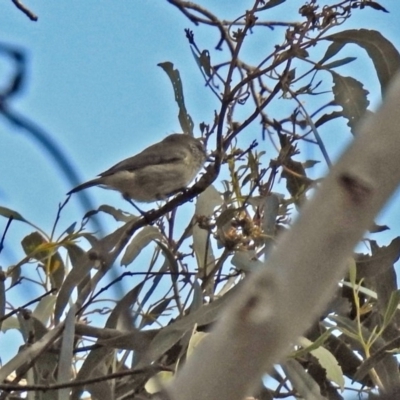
(95,87)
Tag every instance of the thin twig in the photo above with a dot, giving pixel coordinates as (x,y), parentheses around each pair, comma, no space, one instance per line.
(48,387)
(25,10)
(5,232)
(11,313)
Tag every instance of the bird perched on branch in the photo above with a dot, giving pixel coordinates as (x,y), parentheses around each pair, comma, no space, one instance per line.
(157,172)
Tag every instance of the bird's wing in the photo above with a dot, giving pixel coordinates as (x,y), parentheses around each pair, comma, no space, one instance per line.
(153,155)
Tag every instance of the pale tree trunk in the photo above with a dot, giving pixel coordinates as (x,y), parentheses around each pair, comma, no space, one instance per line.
(278,303)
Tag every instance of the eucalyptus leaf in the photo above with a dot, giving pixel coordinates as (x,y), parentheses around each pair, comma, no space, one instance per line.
(142,239)
(351,96)
(383,53)
(185,119)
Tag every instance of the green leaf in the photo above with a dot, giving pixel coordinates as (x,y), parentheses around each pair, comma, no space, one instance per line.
(327,361)
(246,260)
(270,4)
(332,50)
(309,346)
(361,289)
(185,119)
(195,340)
(44,309)
(119,215)
(197,300)
(162,342)
(378,355)
(375,228)
(38,248)
(10,323)
(81,266)
(8,213)
(64,371)
(205,62)
(375,6)
(383,54)
(310,163)
(149,293)
(327,118)
(154,313)
(139,242)
(351,96)
(339,63)
(69,230)
(352,272)
(205,205)
(303,382)
(391,307)
(123,306)
(271,212)
(170,259)
(347,327)
(157,382)
(2,295)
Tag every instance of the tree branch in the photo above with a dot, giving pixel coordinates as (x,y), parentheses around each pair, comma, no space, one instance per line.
(25,10)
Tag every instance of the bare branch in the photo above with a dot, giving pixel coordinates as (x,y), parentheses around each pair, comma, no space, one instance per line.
(25,10)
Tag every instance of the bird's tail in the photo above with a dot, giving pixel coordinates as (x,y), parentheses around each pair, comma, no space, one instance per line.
(85,185)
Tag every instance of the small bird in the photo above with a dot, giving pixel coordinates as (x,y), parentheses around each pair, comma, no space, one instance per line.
(157,172)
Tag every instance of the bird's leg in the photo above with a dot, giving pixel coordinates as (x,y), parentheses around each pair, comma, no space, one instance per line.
(128,199)
(141,212)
